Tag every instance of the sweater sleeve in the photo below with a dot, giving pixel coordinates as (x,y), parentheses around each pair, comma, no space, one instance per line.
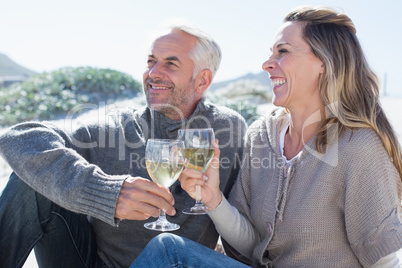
(389,261)
(234,228)
(44,157)
(232,220)
(372,199)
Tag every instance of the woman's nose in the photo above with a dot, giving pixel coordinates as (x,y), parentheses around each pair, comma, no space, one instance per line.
(269,65)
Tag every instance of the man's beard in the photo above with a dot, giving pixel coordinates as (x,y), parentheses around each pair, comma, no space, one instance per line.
(173,102)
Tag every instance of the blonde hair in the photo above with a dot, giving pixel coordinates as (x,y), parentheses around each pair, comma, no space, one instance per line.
(348,80)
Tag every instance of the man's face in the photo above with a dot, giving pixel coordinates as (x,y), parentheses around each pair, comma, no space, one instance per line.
(168,84)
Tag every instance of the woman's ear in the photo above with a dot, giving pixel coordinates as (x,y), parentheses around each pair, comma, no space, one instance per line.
(203,80)
(322,68)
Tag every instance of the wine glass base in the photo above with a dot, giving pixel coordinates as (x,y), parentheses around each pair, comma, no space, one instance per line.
(162,226)
(196,210)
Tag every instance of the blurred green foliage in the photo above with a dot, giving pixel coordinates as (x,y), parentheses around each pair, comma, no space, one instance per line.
(243,96)
(244,107)
(48,96)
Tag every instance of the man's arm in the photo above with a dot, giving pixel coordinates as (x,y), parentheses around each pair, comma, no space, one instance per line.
(45,158)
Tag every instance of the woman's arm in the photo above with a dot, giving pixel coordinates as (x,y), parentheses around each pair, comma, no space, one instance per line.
(229,222)
(372,201)
(390,261)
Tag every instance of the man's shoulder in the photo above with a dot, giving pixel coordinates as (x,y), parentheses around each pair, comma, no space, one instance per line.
(122,114)
(116,118)
(220,111)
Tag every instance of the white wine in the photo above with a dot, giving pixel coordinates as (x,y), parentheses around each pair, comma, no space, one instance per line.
(198,152)
(198,158)
(164,173)
(164,161)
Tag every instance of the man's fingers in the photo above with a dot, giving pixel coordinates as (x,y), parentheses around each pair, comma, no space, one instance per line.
(148,186)
(140,211)
(140,199)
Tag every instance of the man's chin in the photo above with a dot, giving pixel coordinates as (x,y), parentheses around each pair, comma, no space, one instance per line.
(168,110)
(158,106)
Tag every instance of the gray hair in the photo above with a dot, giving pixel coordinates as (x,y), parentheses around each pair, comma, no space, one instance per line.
(206,54)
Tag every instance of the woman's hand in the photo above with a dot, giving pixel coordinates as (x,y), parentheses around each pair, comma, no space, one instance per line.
(209,181)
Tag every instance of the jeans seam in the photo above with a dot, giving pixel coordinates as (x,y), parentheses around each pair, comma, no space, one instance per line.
(72,237)
(23,260)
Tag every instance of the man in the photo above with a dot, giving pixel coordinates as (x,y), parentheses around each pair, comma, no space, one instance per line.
(96,174)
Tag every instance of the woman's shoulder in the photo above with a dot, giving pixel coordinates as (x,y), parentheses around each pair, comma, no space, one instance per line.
(275,116)
(361,142)
(265,130)
(268,123)
(361,137)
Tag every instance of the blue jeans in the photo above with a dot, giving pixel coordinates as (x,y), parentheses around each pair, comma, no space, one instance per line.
(28,220)
(169,250)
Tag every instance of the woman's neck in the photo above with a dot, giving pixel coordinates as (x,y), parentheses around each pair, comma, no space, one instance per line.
(302,127)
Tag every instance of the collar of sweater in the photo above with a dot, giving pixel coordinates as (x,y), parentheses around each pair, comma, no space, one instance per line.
(170,127)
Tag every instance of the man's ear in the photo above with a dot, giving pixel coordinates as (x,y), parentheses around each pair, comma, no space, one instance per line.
(203,80)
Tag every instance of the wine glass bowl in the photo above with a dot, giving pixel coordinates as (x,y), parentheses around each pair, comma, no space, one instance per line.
(164,160)
(199,151)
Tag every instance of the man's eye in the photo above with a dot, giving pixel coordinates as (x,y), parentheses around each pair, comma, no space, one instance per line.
(282,50)
(150,63)
(170,63)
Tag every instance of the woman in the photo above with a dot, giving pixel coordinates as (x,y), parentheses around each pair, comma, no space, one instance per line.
(320,185)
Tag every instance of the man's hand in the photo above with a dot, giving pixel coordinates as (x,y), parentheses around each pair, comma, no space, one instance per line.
(140,199)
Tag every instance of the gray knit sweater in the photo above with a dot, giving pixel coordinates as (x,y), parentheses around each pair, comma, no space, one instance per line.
(83,171)
(338,209)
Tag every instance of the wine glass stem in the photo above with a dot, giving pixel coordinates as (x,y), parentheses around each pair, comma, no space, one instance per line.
(162,216)
(198,194)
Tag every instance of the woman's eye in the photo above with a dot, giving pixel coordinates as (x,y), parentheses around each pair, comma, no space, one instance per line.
(282,50)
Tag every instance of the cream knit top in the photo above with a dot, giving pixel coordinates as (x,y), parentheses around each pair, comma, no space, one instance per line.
(338,209)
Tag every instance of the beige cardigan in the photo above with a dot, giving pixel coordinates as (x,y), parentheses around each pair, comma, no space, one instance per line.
(338,209)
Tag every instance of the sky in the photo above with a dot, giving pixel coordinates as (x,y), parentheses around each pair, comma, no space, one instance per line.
(44,35)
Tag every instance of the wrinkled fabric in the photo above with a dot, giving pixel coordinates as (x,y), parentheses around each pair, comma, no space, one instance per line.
(337,209)
(82,169)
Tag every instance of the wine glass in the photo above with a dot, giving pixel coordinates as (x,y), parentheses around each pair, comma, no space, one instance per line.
(199,151)
(164,160)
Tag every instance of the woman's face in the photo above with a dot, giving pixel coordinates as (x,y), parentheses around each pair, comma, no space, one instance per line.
(294,69)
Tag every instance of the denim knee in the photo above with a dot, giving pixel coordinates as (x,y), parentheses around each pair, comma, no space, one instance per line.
(168,240)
